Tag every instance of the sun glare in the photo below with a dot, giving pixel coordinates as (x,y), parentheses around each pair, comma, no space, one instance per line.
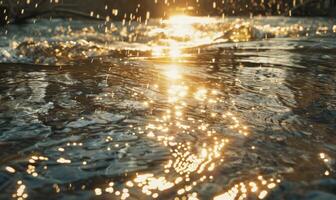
(173,72)
(185,19)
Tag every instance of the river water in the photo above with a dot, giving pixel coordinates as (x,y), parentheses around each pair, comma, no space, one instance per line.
(183,108)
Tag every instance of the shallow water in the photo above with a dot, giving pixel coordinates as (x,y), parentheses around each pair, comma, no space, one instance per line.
(189,107)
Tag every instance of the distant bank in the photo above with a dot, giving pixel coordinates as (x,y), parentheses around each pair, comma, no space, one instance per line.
(14,11)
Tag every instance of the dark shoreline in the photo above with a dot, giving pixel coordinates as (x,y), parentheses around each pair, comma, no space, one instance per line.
(140,10)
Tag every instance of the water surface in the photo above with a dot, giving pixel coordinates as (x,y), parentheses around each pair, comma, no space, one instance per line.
(186,108)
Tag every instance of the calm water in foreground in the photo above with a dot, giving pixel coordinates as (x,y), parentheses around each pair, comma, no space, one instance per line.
(185,108)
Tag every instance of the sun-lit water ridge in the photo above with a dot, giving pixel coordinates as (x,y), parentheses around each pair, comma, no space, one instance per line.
(158,38)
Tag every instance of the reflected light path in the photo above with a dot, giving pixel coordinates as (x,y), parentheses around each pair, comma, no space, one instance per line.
(173,72)
(196,147)
(192,161)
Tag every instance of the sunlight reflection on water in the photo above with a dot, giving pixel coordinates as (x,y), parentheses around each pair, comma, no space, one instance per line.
(168,121)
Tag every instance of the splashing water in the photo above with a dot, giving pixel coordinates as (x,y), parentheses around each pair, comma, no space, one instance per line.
(64,43)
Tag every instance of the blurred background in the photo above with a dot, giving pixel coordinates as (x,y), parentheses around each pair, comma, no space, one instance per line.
(16,11)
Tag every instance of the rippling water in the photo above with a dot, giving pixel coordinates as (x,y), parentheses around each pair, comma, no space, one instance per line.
(185,108)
